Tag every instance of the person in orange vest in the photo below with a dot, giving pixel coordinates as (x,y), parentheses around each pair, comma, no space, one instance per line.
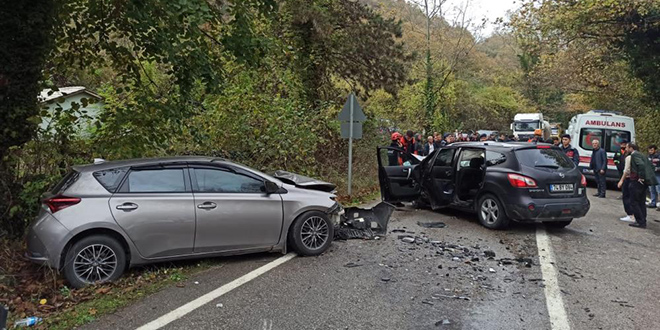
(537,136)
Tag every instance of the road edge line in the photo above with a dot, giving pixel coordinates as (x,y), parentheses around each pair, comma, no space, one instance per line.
(208,297)
(553,297)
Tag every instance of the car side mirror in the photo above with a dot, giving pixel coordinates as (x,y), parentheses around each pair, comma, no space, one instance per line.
(271,187)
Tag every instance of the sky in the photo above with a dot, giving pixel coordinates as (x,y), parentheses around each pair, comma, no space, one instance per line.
(478,9)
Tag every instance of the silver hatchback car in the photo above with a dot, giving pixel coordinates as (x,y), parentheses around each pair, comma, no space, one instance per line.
(105,217)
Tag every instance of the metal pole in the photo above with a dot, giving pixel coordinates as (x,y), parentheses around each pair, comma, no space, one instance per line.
(350,146)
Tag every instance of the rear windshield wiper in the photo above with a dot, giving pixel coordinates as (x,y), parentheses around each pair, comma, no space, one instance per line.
(547,165)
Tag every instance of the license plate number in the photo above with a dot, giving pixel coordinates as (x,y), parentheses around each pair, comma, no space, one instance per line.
(567,187)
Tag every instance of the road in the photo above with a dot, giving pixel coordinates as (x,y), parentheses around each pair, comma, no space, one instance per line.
(606,278)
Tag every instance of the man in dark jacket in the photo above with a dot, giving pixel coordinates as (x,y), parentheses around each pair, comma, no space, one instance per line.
(599,165)
(568,149)
(620,157)
(654,158)
(429,147)
(642,176)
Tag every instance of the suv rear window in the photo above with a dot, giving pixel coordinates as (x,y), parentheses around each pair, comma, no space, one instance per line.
(110,179)
(66,182)
(547,158)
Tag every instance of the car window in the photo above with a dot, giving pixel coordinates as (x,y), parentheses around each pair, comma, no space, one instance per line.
(444,157)
(224,181)
(467,155)
(588,135)
(66,182)
(494,158)
(160,180)
(526,125)
(111,178)
(544,158)
(614,138)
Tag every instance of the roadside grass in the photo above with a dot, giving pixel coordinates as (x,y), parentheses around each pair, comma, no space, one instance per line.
(30,290)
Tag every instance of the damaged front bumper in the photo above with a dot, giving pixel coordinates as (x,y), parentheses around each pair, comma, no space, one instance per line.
(363,223)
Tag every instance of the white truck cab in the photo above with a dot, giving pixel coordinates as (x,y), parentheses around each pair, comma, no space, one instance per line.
(524,125)
(609,127)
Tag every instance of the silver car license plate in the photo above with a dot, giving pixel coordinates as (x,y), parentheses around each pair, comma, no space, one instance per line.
(564,187)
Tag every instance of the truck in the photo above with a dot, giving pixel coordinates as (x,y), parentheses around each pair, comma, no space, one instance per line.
(610,128)
(524,125)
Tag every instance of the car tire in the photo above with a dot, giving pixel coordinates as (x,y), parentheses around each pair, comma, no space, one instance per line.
(93,260)
(558,224)
(491,212)
(311,234)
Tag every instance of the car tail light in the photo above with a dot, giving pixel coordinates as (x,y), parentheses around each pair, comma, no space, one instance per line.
(60,202)
(583,181)
(521,181)
(542,147)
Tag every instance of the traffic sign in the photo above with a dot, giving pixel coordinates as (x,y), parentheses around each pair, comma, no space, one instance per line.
(346,130)
(345,114)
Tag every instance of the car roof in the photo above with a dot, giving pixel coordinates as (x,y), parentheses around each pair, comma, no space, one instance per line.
(497,145)
(145,162)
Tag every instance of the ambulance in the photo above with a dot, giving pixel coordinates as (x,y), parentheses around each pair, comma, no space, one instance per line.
(610,128)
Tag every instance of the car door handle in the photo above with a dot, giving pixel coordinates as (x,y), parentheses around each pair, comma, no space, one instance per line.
(207,206)
(127,207)
(409,171)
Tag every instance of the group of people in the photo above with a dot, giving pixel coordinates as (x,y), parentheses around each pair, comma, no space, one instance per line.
(639,173)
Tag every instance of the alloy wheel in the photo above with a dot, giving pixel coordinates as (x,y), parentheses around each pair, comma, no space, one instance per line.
(489,210)
(95,263)
(314,232)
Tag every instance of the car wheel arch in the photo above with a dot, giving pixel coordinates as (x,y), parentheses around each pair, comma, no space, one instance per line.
(96,231)
(483,192)
(296,216)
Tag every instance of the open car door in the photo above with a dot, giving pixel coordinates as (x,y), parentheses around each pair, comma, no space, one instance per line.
(395,175)
(439,177)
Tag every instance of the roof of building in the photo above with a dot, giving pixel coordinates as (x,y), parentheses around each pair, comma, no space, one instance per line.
(49,95)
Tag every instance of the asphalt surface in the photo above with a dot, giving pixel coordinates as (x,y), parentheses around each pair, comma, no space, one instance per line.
(607,270)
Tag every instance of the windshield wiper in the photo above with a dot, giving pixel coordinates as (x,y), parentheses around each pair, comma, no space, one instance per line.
(547,165)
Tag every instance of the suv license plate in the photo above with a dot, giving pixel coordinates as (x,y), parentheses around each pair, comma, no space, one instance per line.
(567,187)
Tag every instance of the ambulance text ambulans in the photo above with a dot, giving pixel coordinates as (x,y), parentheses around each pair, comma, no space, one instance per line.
(609,128)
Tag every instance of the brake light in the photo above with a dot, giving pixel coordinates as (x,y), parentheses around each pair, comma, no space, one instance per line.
(583,181)
(542,147)
(521,181)
(60,202)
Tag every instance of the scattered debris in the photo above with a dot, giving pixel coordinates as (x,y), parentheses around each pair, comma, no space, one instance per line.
(398,230)
(219,305)
(438,296)
(408,239)
(385,279)
(352,265)
(489,254)
(492,270)
(443,322)
(27,322)
(434,224)
(196,283)
(359,223)
(427,302)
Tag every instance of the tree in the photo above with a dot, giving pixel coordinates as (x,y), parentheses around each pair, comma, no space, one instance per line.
(343,40)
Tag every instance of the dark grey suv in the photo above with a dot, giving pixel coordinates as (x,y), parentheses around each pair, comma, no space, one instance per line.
(102,218)
(499,181)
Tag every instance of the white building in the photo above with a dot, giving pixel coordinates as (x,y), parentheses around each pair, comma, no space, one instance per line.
(64,98)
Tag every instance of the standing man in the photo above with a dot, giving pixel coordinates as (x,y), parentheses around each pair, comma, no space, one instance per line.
(555,141)
(599,165)
(571,152)
(620,161)
(409,142)
(654,158)
(429,147)
(419,145)
(642,175)
(624,185)
(394,156)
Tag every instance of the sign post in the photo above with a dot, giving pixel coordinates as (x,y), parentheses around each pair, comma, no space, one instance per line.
(352,117)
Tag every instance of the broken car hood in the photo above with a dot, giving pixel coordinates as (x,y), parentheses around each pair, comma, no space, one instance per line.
(304,182)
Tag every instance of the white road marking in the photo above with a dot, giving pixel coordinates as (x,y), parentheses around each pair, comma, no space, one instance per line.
(553,299)
(205,299)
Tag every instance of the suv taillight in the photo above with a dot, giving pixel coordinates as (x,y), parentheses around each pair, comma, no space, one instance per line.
(521,181)
(583,181)
(60,202)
